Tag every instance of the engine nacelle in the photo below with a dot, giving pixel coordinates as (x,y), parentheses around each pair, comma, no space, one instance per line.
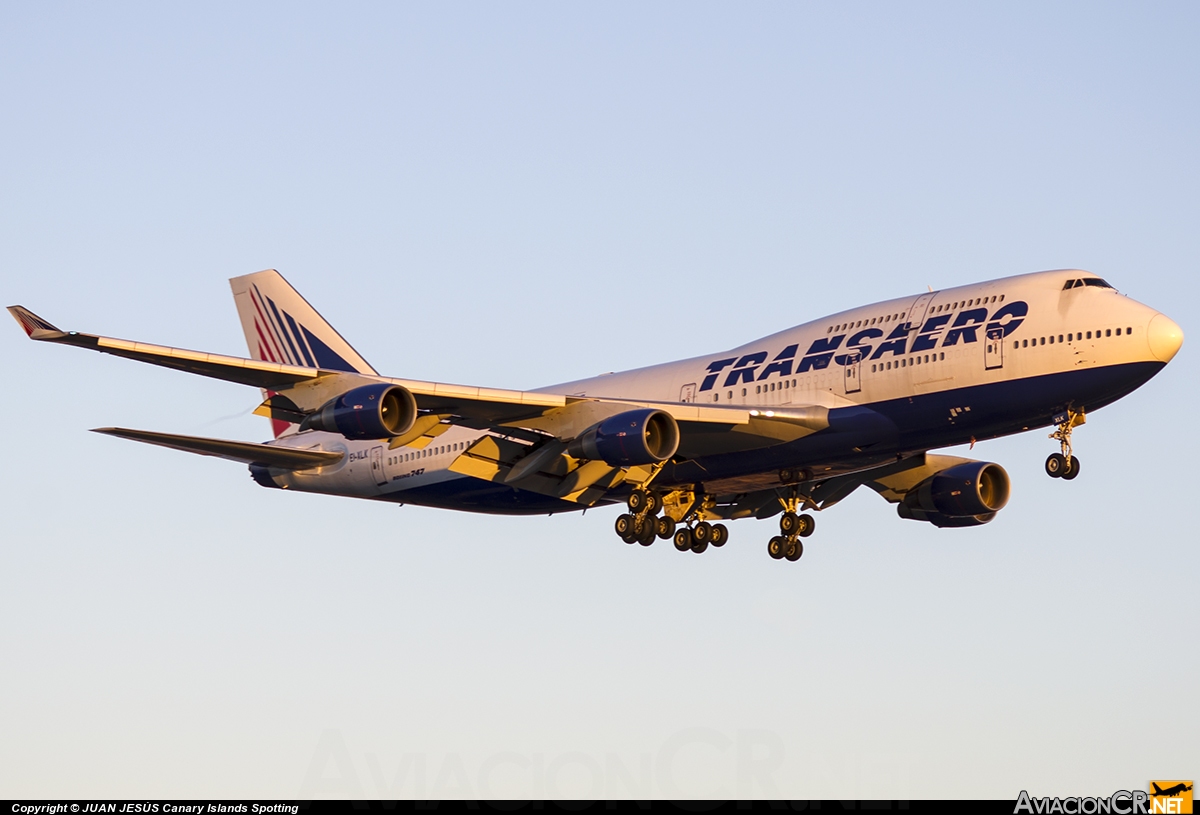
(368,412)
(629,439)
(944,521)
(964,495)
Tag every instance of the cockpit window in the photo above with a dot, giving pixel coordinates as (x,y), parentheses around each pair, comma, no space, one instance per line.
(1070,284)
(1095,281)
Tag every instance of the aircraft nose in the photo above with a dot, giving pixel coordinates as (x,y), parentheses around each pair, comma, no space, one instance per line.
(1165,337)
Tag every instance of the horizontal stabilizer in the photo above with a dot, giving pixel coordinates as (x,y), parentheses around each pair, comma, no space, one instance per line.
(287,458)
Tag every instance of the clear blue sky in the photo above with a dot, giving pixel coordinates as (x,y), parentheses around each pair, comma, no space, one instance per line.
(519,194)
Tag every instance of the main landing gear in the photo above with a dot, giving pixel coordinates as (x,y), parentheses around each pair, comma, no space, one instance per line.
(1064,465)
(642,524)
(792,527)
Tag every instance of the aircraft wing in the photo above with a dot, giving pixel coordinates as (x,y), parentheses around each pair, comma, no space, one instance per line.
(269,375)
(703,426)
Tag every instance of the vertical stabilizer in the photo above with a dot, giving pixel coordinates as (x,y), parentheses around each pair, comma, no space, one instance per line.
(280,326)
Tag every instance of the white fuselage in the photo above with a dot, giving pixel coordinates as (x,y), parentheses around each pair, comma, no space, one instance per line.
(1018,330)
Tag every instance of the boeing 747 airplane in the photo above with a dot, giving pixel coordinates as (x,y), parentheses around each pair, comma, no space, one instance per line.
(785,425)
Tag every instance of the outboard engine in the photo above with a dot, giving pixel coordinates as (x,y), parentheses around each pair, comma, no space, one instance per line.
(629,439)
(378,411)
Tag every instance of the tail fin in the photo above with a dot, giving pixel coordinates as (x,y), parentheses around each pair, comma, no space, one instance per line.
(1157,788)
(280,326)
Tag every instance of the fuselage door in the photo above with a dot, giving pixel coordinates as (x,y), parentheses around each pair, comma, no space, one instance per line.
(377,466)
(993,349)
(688,393)
(916,314)
(853,361)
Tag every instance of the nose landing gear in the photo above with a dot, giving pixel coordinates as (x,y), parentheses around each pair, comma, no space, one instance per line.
(793,527)
(1065,465)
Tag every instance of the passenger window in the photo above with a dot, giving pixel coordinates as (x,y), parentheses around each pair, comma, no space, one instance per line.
(1108,332)
(1052,339)
(1002,298)
(872,367)
(1118,332)
(1060,337)
(743,391)
(729,395)
(943,356)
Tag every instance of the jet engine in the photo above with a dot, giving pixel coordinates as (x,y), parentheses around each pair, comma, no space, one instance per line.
(369,412)
(629,439)
(963,495)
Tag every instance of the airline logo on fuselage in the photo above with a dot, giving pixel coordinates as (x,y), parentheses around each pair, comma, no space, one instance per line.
(941,331)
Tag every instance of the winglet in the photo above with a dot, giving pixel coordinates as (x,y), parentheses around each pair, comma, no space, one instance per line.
(35,326)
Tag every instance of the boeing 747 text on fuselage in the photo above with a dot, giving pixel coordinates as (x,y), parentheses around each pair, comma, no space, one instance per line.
(785,425)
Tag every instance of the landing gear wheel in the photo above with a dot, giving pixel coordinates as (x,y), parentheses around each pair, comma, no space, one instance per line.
(1056,465)
(666,527)
(807,525)
(698,546)
(788,523)
(638,500)
(653,503)
(702,532)
(649,532)
(777,547)
(683,539)
(795,551)
(625,528)
(720,534)
(1072,469)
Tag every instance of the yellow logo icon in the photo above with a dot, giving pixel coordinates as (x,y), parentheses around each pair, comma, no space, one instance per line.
(1170,797)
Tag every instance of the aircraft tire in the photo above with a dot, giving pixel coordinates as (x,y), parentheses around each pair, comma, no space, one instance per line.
(702,532)
(625,528)
(807,525)
(666,527)
(647,531)
(795,551)
(788,523)
(1056,463)
(638,500)
(777,547)
(1071,472)
(699,546)
(683,539)
(720,534)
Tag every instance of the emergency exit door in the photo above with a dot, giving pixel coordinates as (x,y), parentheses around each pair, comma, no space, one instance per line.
(853,364)
(993,349)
